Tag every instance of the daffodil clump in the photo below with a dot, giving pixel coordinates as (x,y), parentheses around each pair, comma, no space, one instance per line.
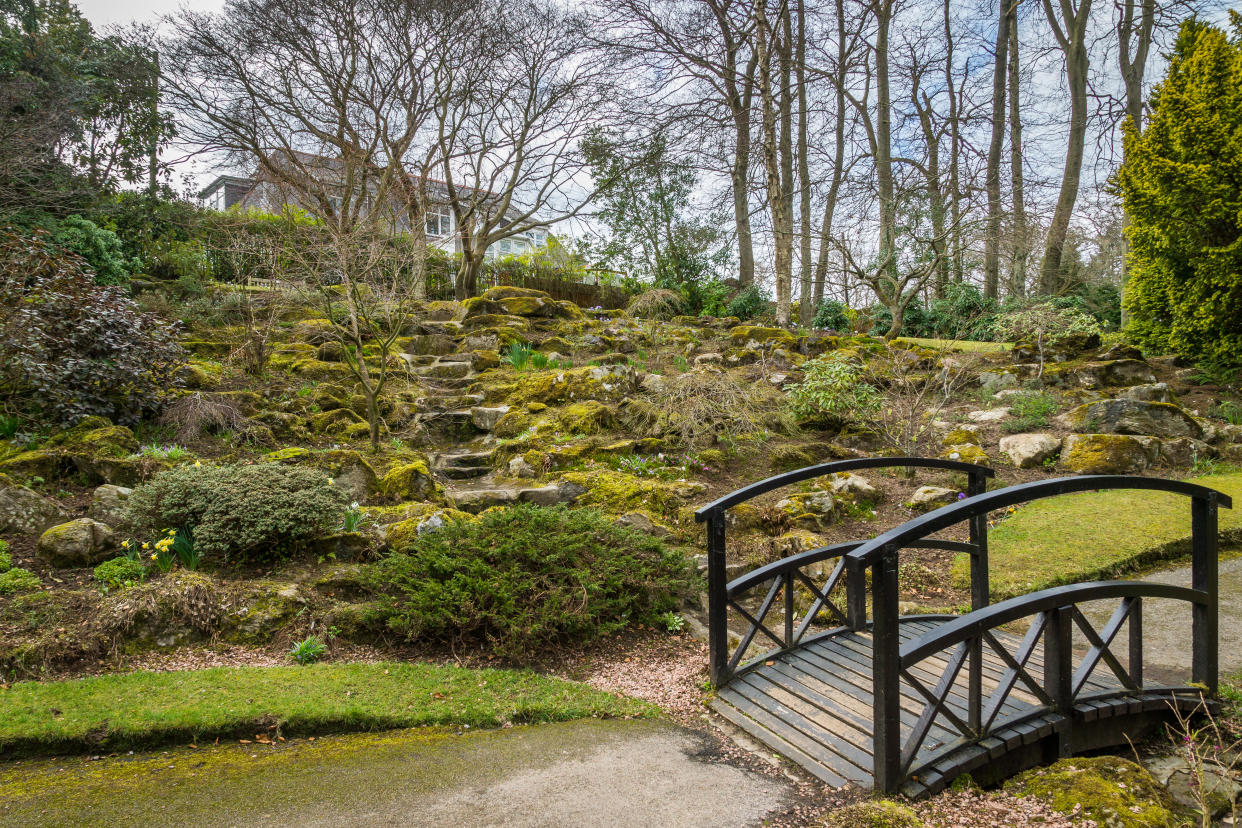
(170,548)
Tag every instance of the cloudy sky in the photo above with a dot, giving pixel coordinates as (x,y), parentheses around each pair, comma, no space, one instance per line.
(103,13)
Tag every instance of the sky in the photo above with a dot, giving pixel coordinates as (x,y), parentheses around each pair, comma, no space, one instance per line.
(104,13)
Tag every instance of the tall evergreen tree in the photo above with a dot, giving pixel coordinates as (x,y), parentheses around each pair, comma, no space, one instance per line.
(1182,186)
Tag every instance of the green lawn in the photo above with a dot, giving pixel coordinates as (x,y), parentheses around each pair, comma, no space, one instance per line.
(957,344)
(1095,534)
(141,709)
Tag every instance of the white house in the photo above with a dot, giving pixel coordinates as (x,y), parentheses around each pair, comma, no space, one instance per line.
(228,191)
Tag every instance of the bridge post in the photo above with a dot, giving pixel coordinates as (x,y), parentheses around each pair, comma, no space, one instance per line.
(980,597)
(1059,671)
(717,600)
(1205,576)
(885,655)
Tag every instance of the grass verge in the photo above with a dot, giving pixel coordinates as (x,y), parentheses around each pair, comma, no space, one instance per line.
(133,710)
(1081,537)
(957,344)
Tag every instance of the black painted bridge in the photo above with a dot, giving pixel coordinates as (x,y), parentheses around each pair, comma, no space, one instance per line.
(810,654)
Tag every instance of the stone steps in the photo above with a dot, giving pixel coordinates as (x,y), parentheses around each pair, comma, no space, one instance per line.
(463,463)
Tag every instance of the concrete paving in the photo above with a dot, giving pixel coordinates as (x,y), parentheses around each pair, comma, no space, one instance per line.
(615,773)
(1166,624)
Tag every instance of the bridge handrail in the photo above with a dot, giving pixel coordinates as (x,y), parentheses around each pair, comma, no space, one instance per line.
(981,504)
(713,514)
(973,624)
(822,553)
(798,475)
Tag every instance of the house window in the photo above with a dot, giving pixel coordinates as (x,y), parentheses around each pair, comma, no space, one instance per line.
(439,222)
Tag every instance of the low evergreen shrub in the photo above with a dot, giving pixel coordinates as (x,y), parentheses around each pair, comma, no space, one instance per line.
(238,513)
(523,578)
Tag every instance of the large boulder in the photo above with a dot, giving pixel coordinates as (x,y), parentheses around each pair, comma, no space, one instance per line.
(1113,372)
(756,336)
(1153,419)
(927,498)
(1109,453)
(515,301)
(1108,790)
(411,481)
(25,512)
(81,542)
(1029,451)
(110,504)
(1151,392)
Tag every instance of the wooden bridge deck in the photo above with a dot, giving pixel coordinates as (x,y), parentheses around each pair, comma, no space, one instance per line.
(814,704)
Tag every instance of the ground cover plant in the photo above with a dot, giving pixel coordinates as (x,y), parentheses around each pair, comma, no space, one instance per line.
(141,709)
(523,578)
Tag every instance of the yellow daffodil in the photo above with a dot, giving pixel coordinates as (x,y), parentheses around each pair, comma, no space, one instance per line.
(197,463)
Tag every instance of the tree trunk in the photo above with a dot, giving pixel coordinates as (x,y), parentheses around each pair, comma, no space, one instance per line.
(1134,42)
(991,255)
(468,273)
(773,162)
(1017,270)
(1073,43)
(883,153)
(955,151)
(838,161)
(739,175)
(807,304)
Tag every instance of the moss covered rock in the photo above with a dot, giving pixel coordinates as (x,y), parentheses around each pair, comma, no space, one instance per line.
(962,435)
(1125,416)
(619,493)
(1109,453)
(586,417)
(754,336)
(81,542)
(23,511)
(604,383)
(410,481)
(878,813)
(1108,789)
(200,375)
(400,535)
(965,453)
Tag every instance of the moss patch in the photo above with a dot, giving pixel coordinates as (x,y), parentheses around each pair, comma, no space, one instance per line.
(1078,537)
(879,813)
(1110,790)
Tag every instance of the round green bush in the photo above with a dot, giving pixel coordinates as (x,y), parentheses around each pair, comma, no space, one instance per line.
(238,513)
(522,578)
(6,557)
(120,572)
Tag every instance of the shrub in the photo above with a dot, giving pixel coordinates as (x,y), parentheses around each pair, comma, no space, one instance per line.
(1044,324)
(18,580)
(1030,411)
(523,578)
(748,303)
(832,315)
(241,512)
(99,246)
(832,391)
(70,348)
(6,557)
(120,572)
(700,408)
(657,303)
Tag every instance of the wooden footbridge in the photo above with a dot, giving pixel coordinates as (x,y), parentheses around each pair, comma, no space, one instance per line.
(825,670)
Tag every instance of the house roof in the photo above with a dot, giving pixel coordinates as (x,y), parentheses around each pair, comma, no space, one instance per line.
(225,180)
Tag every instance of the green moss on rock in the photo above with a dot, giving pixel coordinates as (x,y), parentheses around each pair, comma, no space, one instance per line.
(748,336)
(878,813)
(618,493)
(965,453)
(1109,453)
(587,417)
(411,481)
(1108,789)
